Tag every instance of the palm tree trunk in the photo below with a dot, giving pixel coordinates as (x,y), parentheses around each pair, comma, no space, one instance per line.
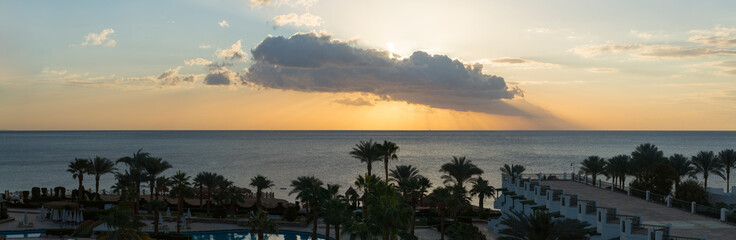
(260,235)
(258,198)
(151,187)
(385,167)
(314,226)
(413,219)
(209,196)
(200,196)
(327,230)
(705,178)
(728,179)
(97,185)
(155,220)
(442,225)
(369,167)
(337,231)
(80,195)
(480,202)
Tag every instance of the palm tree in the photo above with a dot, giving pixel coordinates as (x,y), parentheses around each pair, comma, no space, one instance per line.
(366,152)
(459,171)
(222,184)
(727,158)
(101,166)
(78,168)
(123,225)
(136,173)
(542,225)
(440,198)
(154,167)
(208,180)
(514,171)
(361,227)
(156,206)
(366,184)
(618,167)
(482,189)
(329,193)
(338,212)
(309,191)
(388,151)
(259,223)
(181,188)
(260,182)
(682,166)
(234,196)
(643,156)
(706,163)
(593,165)
(199,183)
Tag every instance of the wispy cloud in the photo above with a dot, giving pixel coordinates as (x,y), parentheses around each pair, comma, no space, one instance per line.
(260,3)
(304,20)
(639,34)
(97,39)
(720,37)
(603,70)
(198,61)
(204,46)
(234,52)
(354,101)
(223,24)
(518,63)
(595,50)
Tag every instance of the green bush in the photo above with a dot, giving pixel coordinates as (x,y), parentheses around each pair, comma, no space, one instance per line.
(60,192)
(464,231)
(94,215)
(290,214)
(3,211)
(35,193)
(45,192)
(219,212)
(169,236)
(26,194)
(59,232)
(691,190)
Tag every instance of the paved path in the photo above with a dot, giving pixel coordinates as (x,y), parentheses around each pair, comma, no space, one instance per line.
(683,223)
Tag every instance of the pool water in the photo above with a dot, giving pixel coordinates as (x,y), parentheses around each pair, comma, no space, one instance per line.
(23,234)
(245,235)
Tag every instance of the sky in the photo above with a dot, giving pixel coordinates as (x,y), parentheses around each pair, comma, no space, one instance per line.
(367,65)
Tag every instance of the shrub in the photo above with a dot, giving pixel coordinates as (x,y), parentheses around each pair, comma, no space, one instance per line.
(35,193)
(26,194)
(3,211)
(290,214)
(657,178)
(94,215)
(45,192)
(169,236)
(219,212)
(464,231)
(691,190)
(59,232)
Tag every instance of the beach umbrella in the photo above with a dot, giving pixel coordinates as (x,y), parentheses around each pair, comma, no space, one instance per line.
(183,221)
(168,212)
(76,217)
(81,216)
(160,219)
(53,215)
(189,213)
(42,213)
(25,218)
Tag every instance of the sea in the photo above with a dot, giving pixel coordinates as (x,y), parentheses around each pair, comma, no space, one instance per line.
(40,158)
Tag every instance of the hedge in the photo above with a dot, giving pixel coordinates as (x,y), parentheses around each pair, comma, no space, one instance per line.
(59,232)
(170,236)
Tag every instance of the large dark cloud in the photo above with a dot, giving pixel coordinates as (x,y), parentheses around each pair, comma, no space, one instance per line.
(310,62)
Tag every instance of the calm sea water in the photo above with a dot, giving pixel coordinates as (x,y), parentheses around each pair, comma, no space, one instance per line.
(29,159)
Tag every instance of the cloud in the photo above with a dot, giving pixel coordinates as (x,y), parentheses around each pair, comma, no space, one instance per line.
(681,52)
(310,62)
(205,46)
(650,51)
(221,77)
(638,34)
(538,30)
(235,52)
(603,70)
(720,37)
(354,101)
(304,20)
(97,39)
(259,3)
(726,68)
(171,77)
(594,50)
(296,3)
(223,24)
(519,63)
(198,62)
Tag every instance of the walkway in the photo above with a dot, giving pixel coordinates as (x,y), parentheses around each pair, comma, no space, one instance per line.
(683,223)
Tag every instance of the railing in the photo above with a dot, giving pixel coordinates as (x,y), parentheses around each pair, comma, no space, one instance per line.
(635,220)
(680,238)
(654,227)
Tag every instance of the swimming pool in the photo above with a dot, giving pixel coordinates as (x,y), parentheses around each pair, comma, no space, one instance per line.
(245,235)
(23,234)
